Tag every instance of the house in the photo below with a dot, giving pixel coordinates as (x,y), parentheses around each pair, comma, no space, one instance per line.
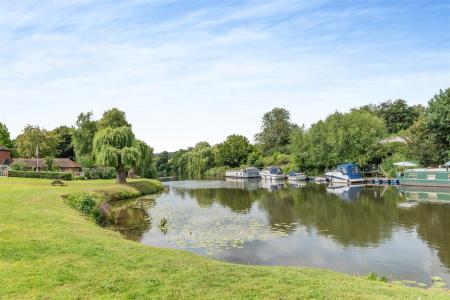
(64,164)
(5,155)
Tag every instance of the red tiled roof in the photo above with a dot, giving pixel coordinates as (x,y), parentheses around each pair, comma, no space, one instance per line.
(61,162)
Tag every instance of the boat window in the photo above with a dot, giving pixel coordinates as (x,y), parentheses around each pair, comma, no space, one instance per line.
(412,175)
(344,170)
(355,170)
(431,176)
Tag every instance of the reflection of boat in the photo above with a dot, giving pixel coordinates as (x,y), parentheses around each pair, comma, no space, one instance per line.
(296,176)
(271,185)
(296,184)
(244,183)
(345,191)
(243,173)
(272,173)
(431,194)
(408,204)
(346,173)
(320,180)
(427,177)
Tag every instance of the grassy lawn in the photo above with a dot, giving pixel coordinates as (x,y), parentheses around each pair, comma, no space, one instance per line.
(49,250)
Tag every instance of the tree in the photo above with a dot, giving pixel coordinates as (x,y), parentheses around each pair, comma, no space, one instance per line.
(275,130)
(5,138)
(162,164)
(34,138)
(398,115)
(145,167)
(82,139)
(424,144)
(199,159)
(64,149)
(113,118)
(117,148)
(438,117)
(177,165)
(338,139)
(255,159)
(233,151)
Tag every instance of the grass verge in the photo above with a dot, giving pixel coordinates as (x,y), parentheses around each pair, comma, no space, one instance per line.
(49,250)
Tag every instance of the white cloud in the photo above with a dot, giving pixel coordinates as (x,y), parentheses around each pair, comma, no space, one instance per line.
(202,73)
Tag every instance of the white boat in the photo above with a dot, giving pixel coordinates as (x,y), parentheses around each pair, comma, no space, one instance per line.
(272,173)
(243,173)
(271,185)
(346,173)
(296,176)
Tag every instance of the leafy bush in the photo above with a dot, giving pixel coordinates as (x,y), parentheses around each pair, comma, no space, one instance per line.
(99,173)
(217,172)
(19,166)
(47,175)
(90,205)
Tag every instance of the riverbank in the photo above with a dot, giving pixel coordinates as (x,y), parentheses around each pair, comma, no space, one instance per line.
(49,250)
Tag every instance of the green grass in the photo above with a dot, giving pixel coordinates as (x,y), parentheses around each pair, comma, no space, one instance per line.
(49,250)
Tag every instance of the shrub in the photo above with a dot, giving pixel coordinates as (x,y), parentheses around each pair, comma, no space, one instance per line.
(217,172)
(99,173)
(46,175)
(90,205)
(19,166)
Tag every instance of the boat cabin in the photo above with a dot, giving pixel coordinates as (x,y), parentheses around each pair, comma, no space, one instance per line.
(353,171)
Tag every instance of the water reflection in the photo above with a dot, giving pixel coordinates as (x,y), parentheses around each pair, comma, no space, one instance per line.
(356,229)
(345,191)
(131,218)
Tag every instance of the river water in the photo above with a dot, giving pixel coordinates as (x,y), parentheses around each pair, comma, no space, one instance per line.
(400,233)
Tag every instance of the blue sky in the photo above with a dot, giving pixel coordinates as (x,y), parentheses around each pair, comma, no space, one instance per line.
(186,71)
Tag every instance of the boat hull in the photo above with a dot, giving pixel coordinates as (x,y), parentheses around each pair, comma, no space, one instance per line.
(297,178)
(339,178)
(273,177)
(424,182)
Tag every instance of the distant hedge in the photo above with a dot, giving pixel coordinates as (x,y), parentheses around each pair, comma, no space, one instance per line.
(99,173)
(47,175)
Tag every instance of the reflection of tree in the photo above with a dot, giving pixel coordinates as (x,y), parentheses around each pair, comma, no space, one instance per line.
(433,225)
(237,200)
(364,221)
(131,218)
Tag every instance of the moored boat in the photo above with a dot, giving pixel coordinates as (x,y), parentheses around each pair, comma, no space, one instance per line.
(439,177)
(296,176)
(345,173)
(243,173)
(272,173)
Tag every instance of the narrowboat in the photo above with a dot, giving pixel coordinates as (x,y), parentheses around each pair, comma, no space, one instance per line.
(243,173)
(438,177)
(272,173)
(345,173)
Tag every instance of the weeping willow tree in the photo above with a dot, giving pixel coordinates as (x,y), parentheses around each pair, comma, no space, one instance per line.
(199,160)
(117,148)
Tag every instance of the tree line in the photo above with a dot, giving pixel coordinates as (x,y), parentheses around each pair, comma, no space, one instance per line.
(108,142)
(359,136)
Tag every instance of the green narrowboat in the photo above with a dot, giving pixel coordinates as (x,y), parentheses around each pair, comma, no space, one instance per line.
(438,177)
